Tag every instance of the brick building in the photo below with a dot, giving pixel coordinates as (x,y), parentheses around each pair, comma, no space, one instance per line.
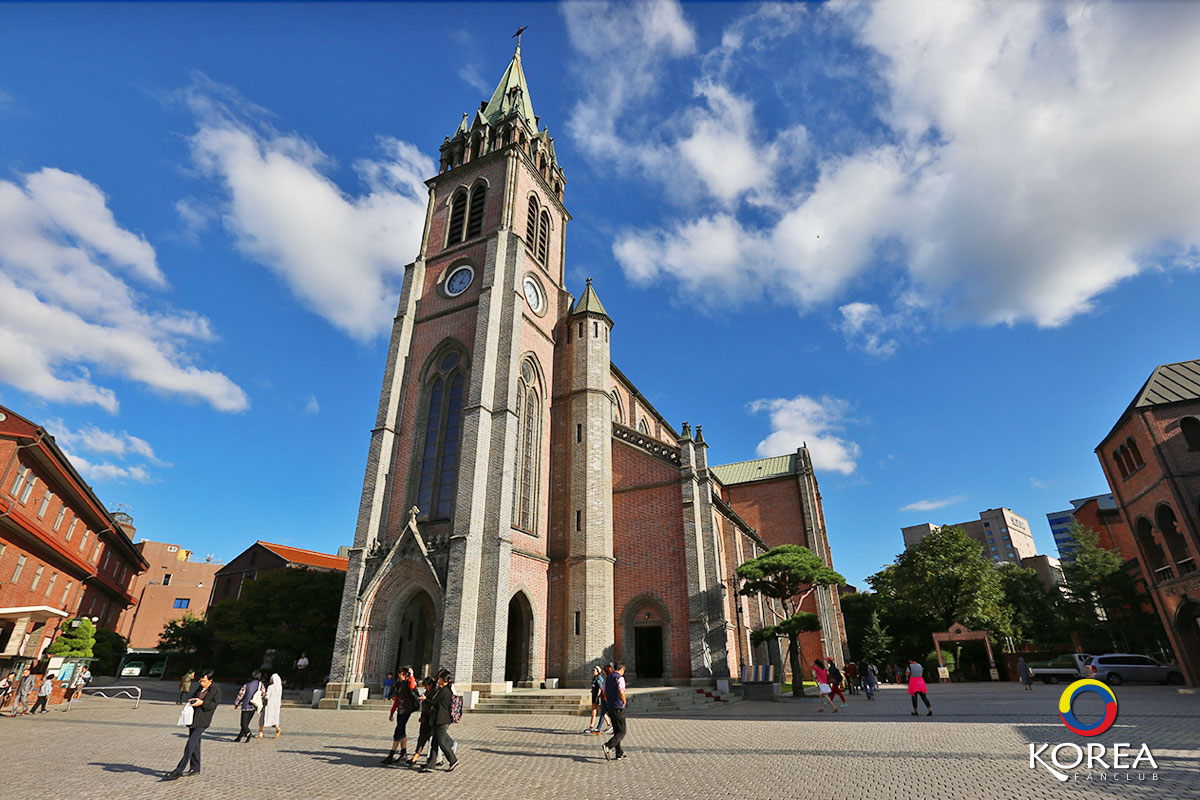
(1151,459)
(526,512)
(171,587)
(62,554)
(263,557)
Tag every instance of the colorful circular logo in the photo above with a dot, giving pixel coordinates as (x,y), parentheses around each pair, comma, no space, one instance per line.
(1067,700)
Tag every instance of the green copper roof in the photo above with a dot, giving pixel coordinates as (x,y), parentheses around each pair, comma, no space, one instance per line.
(760,469)
(589,303)
(504,100)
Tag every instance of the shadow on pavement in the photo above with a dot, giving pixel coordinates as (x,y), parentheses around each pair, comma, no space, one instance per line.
(154,773)
(531,754)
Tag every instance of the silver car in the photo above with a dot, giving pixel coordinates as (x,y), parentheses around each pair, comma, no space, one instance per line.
(1117,668)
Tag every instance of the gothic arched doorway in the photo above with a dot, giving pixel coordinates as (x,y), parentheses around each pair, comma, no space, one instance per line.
(415,643)
(1187,630)
(518,663)
(646,639)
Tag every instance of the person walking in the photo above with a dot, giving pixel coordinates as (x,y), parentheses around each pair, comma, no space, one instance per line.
(852,680)
(204,702)
(821,676)
(389,686)
(8,685)
(870,678)
(44,694)
(1025,673)
(916,686)
(77,683)
(249,700)
(614,703)
(185,687)
(425,726)
(404,703)
(269,718)
(439,709)
(594,726)
(24,689)
(835,682)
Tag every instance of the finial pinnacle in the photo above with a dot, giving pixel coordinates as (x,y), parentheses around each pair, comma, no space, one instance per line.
(589,281)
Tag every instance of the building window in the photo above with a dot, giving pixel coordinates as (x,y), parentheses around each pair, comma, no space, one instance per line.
(643,427)
(181,602)
(443,431)
(96,552)
(28,489)
(529,430)
(1120,462)
(543,241)
(531,225)
(458,213)
(1191,432)
(104,566)
(71,528)
(45,503)
(83,539)
(618,414)
(167,579)
(37,577)
(19,482)
(66,594)
(62,512)
(475,211)
(17,572)
(1134,452)
(50,585)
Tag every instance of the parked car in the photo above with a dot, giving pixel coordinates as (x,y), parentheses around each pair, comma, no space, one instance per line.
(132,669)
(1067,667)
(1117,668)
(156,669)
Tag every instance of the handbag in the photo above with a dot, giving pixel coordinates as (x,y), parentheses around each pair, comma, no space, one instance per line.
(256,700)
(186,716)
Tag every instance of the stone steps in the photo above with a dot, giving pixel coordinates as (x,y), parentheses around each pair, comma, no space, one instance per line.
(642,702)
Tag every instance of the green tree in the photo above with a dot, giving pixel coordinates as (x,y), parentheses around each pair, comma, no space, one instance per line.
(289,611)
(876,643)
(109,648)
(188,634)
(74,640)
(790,574)
(1037,611)
(1089,571)
(857,610)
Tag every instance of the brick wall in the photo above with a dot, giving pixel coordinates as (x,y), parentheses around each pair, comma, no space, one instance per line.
(772,508)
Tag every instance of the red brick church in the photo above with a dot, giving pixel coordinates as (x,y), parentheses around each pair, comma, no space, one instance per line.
(526,512)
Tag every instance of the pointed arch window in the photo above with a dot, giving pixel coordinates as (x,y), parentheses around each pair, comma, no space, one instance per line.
(1191,432)
(1134,454)
(643,427)
(543,240)
(531,225)
(528,455)
(476,209)
(458,216)
(618,414)
(442,440)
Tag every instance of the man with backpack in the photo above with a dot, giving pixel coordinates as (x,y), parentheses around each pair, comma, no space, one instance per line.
(445,708)
(614,703)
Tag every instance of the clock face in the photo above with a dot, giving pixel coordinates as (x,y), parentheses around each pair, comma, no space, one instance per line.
(533,293)
(459,280)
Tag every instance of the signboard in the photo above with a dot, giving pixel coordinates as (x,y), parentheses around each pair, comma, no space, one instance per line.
(944,673)
(995,675)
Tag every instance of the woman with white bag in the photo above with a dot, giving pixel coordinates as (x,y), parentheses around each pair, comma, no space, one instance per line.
(270,712)
(249,701)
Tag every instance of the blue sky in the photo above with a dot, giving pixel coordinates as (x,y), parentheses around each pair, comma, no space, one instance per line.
(943,244)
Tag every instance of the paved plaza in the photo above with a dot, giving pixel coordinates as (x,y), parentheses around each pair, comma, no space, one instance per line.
(976,746)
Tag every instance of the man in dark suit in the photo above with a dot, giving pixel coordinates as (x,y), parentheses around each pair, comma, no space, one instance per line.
(439,710)
(204,702)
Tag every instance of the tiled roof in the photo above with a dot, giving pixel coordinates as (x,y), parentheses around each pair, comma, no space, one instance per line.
(1171,383)
(760,469)
(589,302)
(504,100)
(307,557)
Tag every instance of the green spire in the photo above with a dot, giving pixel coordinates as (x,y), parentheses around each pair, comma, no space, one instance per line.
(505,100)
(589,303)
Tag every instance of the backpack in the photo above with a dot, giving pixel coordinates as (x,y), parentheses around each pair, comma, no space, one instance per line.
(456,708)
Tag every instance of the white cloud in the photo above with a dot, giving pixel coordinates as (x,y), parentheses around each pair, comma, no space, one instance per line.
(932,505)
(312,406)
(877,334)
(341,255)
(1038,483)
(66,307)
(109,445)
(816,422)
(1025,158)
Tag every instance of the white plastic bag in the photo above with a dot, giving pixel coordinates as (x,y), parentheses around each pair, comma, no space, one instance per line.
(185,716)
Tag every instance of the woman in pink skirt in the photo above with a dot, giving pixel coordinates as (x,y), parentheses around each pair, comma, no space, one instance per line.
(916,686)
(821,676)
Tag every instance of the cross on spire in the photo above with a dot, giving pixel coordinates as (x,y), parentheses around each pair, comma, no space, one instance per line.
(517,35)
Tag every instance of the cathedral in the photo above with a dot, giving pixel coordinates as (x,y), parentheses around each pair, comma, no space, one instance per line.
(526,512)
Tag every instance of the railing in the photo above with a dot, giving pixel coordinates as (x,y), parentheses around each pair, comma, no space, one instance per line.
(1186,567)
(1163,574)
(117,691)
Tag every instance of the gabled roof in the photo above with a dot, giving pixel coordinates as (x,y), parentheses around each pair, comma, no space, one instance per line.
(309,558)
(760,469)
(1170,383)
(589,303)
(504,100)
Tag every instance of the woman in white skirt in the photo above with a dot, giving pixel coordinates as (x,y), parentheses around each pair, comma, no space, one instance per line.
(270,711)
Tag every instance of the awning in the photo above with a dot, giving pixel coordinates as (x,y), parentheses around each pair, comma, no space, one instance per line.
(35,613)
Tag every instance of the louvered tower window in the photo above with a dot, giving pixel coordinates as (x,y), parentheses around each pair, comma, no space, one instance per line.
(458,213)
(543,236)
(475,212)
(528,462)
(531,225)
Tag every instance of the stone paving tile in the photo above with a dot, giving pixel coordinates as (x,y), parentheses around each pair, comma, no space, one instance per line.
(974,747)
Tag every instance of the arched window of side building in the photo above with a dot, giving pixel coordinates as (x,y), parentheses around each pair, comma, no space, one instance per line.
(1120,462)
(445,387)
(458,216)
(528,451)
(1134,453)
(476,209)
(1191,432)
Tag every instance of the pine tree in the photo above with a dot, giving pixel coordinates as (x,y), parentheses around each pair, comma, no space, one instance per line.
(76,641)
(877,644)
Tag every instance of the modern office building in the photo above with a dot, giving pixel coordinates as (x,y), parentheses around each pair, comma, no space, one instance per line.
(1004,535)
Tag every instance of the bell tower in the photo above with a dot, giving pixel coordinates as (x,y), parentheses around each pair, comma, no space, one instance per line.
(462,431)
